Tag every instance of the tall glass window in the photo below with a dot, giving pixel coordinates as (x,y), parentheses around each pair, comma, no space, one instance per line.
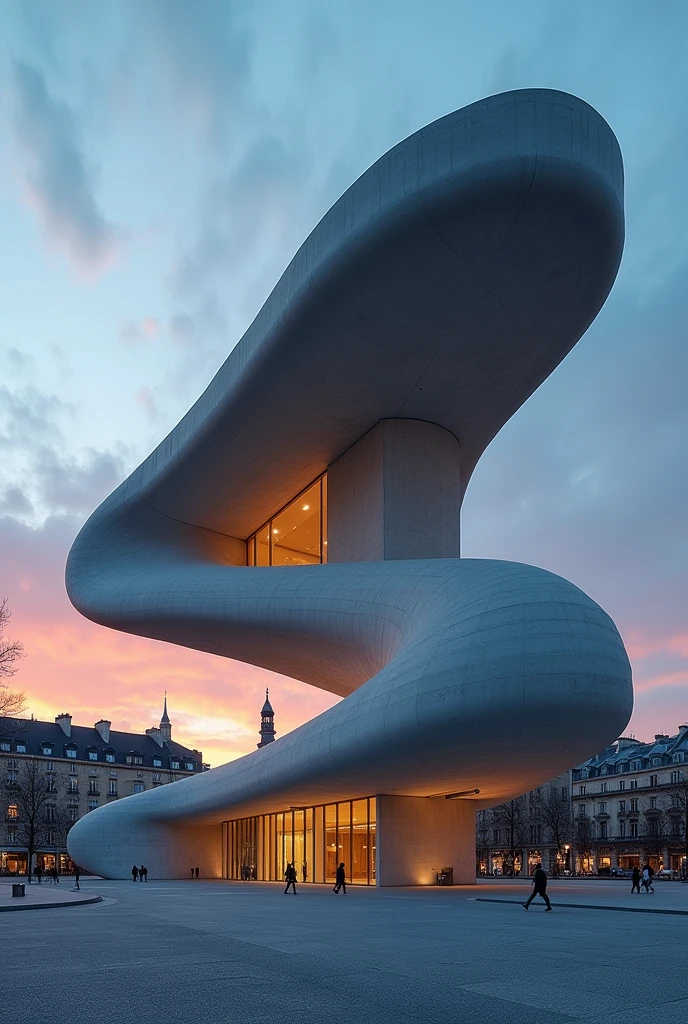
(314,839)
(295,536)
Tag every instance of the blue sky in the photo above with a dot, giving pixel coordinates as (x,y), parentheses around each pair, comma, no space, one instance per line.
(161,161)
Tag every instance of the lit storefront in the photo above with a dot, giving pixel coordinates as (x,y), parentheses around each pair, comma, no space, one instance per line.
(314,839)
(297,535)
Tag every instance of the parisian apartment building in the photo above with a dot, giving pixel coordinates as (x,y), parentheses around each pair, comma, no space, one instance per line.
(623,808)
(52,773)
(630,806)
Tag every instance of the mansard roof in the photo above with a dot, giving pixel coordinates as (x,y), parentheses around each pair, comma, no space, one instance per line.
(37,734)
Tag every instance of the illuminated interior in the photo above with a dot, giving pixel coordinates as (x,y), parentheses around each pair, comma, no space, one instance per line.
(297,535)
(314,839)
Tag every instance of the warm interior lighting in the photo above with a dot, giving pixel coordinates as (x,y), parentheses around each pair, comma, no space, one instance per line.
(306,507)
(275,531)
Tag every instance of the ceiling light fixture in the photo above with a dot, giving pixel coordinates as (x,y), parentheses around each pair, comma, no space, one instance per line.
(306,507)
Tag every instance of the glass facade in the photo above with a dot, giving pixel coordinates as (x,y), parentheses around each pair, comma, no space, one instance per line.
(314,839)
(295,536)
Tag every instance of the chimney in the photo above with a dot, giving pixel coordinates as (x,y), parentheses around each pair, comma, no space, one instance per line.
(155,734)
(682,730)
(65,723)
(103,729)
(660,736)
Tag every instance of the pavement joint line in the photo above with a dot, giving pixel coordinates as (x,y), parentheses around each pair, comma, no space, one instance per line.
(592,906)
(51,906)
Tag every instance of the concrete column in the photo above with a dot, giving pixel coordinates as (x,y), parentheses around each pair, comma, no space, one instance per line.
(418,836)
(395,494)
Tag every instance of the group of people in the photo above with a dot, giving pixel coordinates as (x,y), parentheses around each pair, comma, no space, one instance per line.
(51,874)
(139,874)
(291,878)
(194,872)
(642,876)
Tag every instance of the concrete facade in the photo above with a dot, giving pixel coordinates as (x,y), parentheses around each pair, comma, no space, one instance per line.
(427,305)
(419,837)
(396,493)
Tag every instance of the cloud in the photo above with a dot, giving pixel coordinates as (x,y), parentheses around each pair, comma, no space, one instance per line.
(15,503)
(146,401)
(57,177)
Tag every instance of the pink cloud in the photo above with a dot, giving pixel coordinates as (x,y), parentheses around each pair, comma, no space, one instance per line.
(150,326)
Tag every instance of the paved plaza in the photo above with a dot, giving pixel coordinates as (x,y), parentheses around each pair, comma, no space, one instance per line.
(208,952)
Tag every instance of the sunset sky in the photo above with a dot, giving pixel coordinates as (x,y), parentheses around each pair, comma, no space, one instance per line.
(160,163)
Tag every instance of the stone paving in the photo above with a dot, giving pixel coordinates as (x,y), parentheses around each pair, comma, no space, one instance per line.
(42,897)
(186,952)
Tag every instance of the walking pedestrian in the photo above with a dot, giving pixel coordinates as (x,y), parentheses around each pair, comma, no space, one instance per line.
(340,879)
(635,878)
(56,877)
(77,876)
(143,873)
(134,873)
(38,872)
(196,872)
(647,878)
(290,878)
(539,888)
(192,872)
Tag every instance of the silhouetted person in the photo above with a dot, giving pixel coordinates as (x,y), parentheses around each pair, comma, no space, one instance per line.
(77,876)
(304,872)
(192,872)
(134,873)
(340,879)
(143,873)
(635,878)
(539,888)
(196,872)
(56,877)
(290,878)
(647,878)
(38,872)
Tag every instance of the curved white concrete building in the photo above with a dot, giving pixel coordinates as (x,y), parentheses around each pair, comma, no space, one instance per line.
(304,516)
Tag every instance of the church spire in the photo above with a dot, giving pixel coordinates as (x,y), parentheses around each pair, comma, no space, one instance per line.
(267,722)
(165,724)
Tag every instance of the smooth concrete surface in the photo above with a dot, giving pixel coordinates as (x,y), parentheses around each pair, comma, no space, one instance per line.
(396,493)
(218,952)
(44,896)
(418,837)
(443,287)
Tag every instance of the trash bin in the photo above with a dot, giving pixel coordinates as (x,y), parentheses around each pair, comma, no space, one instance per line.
(445,876)
(18,889)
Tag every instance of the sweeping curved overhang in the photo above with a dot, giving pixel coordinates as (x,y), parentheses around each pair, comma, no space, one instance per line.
(445,285)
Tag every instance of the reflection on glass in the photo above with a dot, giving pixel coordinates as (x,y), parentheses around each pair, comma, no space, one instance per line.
(295,536)
(330,842)
(314,839)
(344,836)
(263,546)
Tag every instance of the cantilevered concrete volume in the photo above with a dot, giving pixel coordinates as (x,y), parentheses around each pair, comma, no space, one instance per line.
(304,514)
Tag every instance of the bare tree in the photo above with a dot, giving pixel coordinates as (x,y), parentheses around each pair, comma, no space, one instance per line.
(511,817)
(555,817)
(680,815)
(482,839)
(12,704)
(583,836)
(31,797)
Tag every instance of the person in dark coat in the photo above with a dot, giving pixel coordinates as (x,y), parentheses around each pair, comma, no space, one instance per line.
(196,872)
(290,878)
(635,878)
(134,873)
(38,872)
(340,879)
(143,873)
(539,888)
(77,876)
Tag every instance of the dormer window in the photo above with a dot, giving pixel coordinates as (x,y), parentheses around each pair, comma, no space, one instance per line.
(110,756)
(21,748)
(70,752)
(189,766)
(174,764)
(93,755)
(5,745)
(47,749)
(157,762)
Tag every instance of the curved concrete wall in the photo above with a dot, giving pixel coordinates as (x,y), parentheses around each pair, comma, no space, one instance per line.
(444,286)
